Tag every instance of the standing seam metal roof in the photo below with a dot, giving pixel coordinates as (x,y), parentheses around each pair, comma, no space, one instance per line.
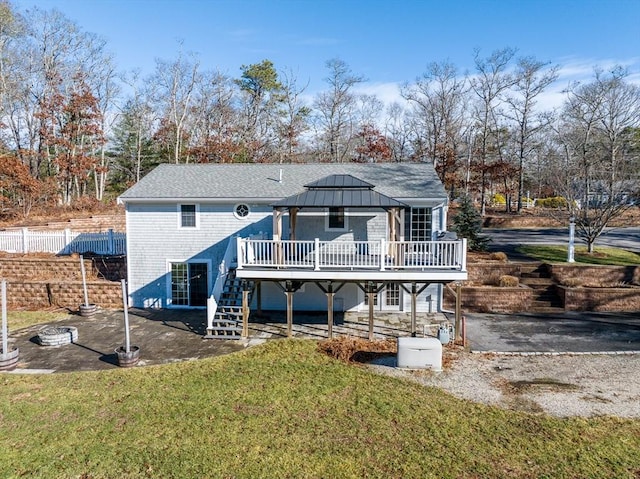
(330,198)
(339,191)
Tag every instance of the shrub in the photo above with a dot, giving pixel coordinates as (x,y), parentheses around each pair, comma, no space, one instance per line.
(553,202)
(507,281)
(498,199)
(499,256)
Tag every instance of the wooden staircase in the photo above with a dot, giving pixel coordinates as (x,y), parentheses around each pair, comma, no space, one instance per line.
(227,322)
(545,295)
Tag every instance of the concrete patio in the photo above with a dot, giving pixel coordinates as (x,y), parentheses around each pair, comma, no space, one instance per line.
(166,336)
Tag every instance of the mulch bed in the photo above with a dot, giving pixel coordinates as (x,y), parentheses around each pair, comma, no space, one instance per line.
(360,350)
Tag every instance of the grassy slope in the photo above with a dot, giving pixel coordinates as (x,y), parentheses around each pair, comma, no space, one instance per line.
(285,410)
(601,255)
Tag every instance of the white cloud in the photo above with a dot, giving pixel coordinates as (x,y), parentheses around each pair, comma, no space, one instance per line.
(571,69)
(387,93)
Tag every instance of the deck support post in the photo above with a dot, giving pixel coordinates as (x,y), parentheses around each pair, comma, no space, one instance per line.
(330,292)
(330,295)
(414,294)
(458,318)
(371,293)
(290,288)
(259,297)
(246,289)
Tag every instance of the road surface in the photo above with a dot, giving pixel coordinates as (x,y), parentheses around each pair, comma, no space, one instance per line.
(625,238)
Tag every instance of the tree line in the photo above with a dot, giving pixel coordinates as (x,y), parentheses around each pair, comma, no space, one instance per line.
(73,127)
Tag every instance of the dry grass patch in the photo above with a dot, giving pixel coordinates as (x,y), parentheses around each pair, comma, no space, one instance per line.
(351,349)
(358,350)
(508,281)
(24,319)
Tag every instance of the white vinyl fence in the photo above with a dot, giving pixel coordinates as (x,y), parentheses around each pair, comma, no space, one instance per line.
(62,242)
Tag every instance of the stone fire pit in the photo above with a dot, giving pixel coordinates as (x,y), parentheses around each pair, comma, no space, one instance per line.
(57,335)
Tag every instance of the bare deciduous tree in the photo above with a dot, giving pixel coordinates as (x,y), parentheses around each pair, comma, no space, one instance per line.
(336,110)
(599,119)
(490,81)
(439,100)
(531,79)
(175,81)
(294,118)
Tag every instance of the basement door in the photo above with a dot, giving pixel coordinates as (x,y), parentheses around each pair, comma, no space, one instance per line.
(189,284)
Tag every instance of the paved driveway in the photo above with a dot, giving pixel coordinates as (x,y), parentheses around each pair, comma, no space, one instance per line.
(566,332)
(625,238)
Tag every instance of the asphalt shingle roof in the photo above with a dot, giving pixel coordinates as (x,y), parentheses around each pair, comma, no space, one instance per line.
(261,182)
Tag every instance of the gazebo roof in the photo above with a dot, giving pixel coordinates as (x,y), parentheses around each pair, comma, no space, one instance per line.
(339,182)
(339,191)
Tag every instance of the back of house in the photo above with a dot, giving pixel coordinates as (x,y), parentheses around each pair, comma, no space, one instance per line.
(312,224)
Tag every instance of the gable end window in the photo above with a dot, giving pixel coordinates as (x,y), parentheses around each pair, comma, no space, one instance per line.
(337,219)
(188,216)
(241,210)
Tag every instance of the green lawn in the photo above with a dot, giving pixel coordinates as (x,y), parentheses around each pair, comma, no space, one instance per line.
(601,255)
(284,410)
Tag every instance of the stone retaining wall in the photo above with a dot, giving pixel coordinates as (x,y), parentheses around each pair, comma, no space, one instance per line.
(34,295)
(485,273)
(486,299)
(596,275)
(20,267)
(600,299)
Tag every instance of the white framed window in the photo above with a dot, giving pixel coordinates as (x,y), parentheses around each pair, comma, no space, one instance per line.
(336,220)
(241,210)
(188,215)
(420,226)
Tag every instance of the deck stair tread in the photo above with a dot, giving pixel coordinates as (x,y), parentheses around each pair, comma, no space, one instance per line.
(227,322)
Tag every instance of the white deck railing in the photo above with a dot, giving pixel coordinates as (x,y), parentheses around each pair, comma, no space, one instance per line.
(66,241)
(349,255)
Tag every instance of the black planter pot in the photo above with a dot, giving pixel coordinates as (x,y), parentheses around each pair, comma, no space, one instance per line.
(128,359)
(9,361)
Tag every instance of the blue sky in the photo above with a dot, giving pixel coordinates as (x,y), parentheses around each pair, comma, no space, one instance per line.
(388,42)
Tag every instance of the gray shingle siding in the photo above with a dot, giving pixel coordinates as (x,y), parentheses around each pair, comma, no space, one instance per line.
(154,238)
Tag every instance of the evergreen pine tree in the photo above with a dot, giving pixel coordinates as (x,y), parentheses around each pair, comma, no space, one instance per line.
(468,224)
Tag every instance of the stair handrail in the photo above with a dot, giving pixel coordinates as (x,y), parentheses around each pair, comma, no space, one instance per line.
(218,285)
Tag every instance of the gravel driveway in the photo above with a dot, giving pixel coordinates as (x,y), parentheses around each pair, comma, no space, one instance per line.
(561,385)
